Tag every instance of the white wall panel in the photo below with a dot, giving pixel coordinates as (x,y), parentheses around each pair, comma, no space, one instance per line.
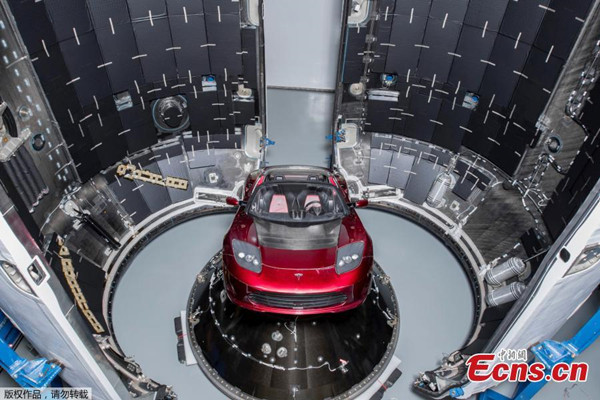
(301,42)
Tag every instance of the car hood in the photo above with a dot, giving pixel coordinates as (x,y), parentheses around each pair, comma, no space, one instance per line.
(298,247)
(304,247)
(293,237)
(284,246)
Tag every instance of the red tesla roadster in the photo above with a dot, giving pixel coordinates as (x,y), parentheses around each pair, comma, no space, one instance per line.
(296,245)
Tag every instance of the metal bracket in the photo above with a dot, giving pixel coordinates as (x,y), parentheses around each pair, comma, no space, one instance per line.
(340,136)
(265,141)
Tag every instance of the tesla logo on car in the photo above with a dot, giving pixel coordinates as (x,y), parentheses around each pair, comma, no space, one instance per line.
(298,275)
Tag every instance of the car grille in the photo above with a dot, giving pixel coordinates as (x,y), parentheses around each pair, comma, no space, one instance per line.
(297,301)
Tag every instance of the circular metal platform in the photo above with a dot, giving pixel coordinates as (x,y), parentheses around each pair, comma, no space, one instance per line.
(250,355)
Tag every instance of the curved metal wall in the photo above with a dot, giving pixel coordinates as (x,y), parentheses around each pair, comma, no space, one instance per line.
(86,52)
(510,54)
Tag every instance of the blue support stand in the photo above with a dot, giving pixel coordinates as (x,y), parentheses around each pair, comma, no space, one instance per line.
(37,373)
(550,353)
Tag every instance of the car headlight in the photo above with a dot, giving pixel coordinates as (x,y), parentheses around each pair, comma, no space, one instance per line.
(349,257)
(247,255)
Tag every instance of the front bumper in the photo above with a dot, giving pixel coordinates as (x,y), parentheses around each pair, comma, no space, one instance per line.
(297,301)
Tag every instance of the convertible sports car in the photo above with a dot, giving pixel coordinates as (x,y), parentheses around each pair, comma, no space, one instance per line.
(296,245)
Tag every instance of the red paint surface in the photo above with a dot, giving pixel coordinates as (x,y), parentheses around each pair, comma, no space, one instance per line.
(280,267)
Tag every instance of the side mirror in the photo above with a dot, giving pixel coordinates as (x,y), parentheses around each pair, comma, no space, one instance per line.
(361,203)
(232,201)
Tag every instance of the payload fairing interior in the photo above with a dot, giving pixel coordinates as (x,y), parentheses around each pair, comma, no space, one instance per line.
(133,130)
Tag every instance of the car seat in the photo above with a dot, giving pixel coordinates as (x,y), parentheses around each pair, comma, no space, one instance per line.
(278,204)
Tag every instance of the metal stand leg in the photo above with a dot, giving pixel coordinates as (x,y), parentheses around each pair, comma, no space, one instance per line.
(37,373)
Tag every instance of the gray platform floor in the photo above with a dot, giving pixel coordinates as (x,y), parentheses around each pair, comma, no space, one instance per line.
(154,291)
(432,290)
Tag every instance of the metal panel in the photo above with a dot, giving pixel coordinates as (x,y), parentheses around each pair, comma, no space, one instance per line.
(420,181)
(301,42)
(189,34)
(223,32)
(379,167)
(197,153)
(129,197)
(153,40)
(45,317)
(401,169)
(171,162)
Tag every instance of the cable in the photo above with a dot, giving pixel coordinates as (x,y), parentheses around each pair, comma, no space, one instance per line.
(552,161)
(578,122)
(536,255)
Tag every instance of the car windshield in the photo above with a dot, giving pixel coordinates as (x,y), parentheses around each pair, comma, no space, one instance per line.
(297,202)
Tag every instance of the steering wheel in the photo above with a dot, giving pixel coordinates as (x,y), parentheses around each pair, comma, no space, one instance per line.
(314,207)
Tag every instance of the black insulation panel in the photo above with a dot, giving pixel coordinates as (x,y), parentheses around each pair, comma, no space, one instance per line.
(86,52)
(156,196)
(129,197)
(581,176)
(171,162)
(401,169)
(354,47)
(509,54)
